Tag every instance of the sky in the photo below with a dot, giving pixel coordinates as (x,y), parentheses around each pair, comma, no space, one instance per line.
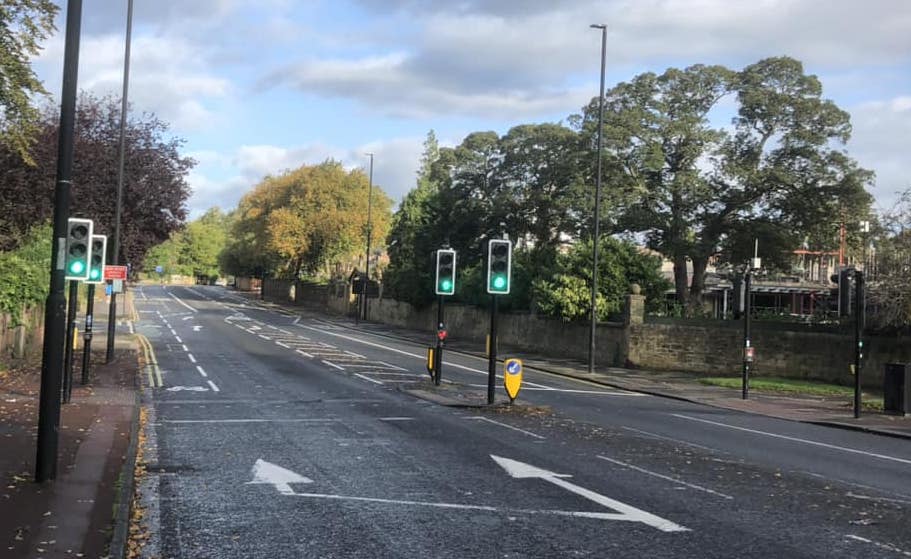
(255,87)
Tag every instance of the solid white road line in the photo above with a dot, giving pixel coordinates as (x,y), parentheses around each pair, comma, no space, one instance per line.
(181,302)
(192,359)
(396,419)
(251,420)
(368,379)
(662,476)
(796,439)
(201,371)
(523,431)
(214,388)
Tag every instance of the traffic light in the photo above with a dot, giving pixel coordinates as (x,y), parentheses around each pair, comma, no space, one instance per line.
(78,237)
(96,259)
(844,279)
(446,270)
(499,266)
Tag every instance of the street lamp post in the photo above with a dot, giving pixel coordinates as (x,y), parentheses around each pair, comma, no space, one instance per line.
(115,250)
(597,216)
(369,232)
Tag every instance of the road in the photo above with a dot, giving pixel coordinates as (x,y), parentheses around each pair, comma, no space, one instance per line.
(275,435)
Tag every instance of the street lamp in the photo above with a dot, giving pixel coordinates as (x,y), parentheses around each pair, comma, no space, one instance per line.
(597,217)
(369,231)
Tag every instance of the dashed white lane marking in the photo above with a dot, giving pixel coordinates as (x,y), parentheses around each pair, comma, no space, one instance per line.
(187,318)
(265,337)
(305,354)
(331,364)
(181,302)
(130,326)
(184,347)
(201,371)
(178,339)
(283,331)
(506,425)
(286,346)
(662,437)
(664,477)
(214,388)
(368,379)
(173,331)
(192,359)
(796,439)
(396,419)
(885,546)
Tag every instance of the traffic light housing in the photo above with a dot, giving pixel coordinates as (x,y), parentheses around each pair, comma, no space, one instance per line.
(96,258)
(446,271)
(844,281)
(499,266)
(78,238)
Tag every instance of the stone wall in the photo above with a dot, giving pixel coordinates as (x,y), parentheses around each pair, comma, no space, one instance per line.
(20,340)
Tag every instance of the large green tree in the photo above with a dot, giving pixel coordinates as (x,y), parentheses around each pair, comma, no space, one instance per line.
(693,185)
(24,24)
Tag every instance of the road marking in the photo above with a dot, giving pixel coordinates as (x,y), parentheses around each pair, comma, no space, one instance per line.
(529,433)
(201,371)
(396,419)
(296,320)
(351,353)
(521,470)
(881,499)
(181,302)
(192,359)
(184,346)
(173,331)
(885,546)
(197,328)
(265,337)
(130,326)
(286,346)
(276,476)
(176,337)
(214,388)
(187,317)
(331,364)
(657,436)
(797,439)
(249,420)
(662,476)
(368,379)
(187,388)
(305,354)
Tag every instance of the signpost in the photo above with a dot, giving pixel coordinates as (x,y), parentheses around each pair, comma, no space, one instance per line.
(512,378)
(115,273)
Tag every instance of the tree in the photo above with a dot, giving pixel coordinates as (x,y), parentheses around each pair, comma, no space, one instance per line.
(889,273)
(24,24)
(690,185)
(155,178)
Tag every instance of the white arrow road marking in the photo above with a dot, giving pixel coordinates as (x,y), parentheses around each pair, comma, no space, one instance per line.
(197,328)
(269,474)
(521,470)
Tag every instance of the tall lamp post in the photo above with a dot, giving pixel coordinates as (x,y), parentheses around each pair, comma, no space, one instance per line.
(115,250)
(369,232)
(597,217)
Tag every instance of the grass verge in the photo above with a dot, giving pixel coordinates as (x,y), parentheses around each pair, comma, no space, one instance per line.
(796,386)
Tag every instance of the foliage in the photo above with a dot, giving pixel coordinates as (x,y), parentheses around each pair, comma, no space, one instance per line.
(194,251)
(304,222)
(155,186)
(567,294)
(23,25)
(692,187)
(889,287)
(24,272)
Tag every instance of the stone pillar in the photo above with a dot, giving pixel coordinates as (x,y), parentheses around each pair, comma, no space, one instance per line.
(634,310)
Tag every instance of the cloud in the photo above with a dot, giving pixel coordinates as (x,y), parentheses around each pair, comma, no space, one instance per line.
(881,141)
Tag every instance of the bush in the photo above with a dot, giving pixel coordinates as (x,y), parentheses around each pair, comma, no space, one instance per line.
(24,273)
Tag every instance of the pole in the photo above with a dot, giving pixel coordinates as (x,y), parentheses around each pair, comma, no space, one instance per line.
(859,320)
(115,254)
(55,307)
(747,347)
(438,354)
(70,340)
(369,233)
(597,217)
(87,346)
(492,353)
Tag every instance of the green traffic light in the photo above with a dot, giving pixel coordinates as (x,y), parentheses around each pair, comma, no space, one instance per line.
(499,282)
(77,267)
(445,285)
(94,274)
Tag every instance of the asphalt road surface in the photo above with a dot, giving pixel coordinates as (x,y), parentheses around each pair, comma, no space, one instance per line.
(280,436)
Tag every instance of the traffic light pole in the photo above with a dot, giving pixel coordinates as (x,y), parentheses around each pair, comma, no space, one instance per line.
(438,353)
(55,307)
(859,320)
(70,338)
(87,346)
(492,352)
(747,343)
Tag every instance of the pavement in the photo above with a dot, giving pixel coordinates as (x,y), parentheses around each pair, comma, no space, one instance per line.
(84,511)
(830,411)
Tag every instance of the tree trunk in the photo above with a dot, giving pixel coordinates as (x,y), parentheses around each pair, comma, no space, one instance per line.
(680,279)
(697,287)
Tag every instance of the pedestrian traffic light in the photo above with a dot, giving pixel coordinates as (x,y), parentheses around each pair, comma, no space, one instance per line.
(844,279)
(96,259)
(446,270)
(78,237)
(499,266)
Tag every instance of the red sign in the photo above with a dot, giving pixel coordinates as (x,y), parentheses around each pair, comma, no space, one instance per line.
(115,272)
